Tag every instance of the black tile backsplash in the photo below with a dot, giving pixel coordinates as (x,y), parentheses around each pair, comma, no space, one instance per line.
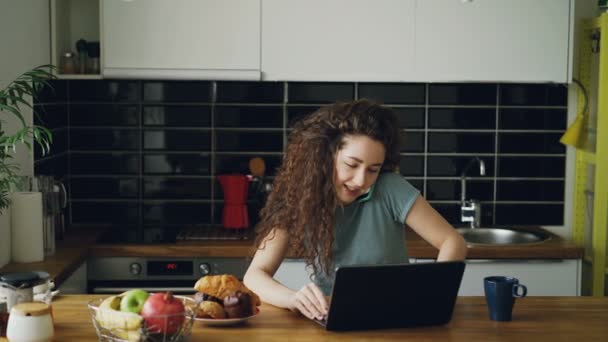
(177,163)
(93,115)
(177,116)
(143,155)
(462,118)
(247,116)
(533,119)
(462,94)
(177,91)
(104,187)
(103,91)
(177,140)
(533,95)
(308,92)
(176,188)
(404,93)
(410,117)
(250,92)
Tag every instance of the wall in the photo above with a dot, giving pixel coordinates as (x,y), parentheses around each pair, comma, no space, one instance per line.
(143,155)
(24,38)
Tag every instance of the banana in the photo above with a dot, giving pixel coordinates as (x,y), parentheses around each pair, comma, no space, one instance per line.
(112,302)
(109,317)
(129,335)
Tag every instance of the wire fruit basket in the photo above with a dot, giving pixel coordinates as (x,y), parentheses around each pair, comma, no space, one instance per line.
(117,326)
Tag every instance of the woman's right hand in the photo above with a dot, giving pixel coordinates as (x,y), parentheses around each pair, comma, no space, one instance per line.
(309,301)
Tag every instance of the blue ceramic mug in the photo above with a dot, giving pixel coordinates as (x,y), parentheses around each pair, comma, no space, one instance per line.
(500,295)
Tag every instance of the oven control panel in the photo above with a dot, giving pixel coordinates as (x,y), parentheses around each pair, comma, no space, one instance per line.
(127,268)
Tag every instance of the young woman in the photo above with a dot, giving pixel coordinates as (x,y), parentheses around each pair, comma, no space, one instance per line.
(337,200)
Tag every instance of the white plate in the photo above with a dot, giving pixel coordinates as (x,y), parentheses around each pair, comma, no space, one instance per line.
(219,322)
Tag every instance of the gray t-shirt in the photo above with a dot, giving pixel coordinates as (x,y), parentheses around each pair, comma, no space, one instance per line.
(372,230)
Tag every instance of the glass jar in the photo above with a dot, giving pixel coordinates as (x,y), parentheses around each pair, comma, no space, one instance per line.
(30,322)
(68,63)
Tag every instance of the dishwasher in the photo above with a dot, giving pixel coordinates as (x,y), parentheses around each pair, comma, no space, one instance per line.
(107,275)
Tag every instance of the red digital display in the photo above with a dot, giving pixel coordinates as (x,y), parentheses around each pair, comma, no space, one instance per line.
(173,267)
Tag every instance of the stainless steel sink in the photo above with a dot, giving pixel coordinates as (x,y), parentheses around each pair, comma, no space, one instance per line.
(501,236)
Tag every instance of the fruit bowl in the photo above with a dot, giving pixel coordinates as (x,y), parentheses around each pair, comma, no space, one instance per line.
(115,325)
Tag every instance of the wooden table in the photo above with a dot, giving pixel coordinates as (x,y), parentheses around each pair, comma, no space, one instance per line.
(535,319)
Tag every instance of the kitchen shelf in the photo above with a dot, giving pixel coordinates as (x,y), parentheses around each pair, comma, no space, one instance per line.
(590,222)
(79,77)
(72,20)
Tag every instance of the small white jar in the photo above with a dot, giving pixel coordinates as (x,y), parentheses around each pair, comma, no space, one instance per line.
(30,322)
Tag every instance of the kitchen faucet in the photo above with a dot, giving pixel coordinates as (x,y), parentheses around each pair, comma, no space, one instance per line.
(470,211)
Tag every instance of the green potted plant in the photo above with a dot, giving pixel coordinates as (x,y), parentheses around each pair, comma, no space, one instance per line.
(14,98)
(15,95)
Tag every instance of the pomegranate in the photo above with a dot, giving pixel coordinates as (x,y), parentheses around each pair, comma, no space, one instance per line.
(163,313)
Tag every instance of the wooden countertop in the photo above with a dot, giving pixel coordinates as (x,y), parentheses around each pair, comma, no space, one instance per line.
(81,244)
(534,319)
(70,253)
(555,248)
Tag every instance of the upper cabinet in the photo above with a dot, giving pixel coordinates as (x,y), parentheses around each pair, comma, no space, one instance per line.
(338,40)
(186,39)
(494,40)
(320,40)
(73,21)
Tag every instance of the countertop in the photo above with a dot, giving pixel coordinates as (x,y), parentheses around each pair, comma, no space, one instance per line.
(534,319)
(81,244)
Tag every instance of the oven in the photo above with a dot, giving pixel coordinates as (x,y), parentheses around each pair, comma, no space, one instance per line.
(118,274)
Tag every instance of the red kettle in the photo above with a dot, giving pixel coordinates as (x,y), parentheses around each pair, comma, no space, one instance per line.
(235,188)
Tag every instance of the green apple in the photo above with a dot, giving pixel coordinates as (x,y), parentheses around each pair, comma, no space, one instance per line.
(133,300)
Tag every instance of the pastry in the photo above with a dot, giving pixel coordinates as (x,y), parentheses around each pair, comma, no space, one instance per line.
(238,305)
(209,309)
(221,286)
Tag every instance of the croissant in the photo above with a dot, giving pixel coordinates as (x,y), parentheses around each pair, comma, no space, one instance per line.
(210,309)
(224,285)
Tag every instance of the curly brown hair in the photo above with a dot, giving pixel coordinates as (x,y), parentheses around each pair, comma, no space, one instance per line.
(303,200)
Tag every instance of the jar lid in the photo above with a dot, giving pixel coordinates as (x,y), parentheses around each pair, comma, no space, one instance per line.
(24,279)
(31,309)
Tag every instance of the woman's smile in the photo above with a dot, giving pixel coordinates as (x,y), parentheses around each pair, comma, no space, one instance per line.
(357,165)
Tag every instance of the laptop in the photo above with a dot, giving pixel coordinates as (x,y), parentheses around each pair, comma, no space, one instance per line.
(393,296)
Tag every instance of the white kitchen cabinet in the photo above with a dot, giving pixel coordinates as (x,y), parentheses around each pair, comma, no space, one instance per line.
(560,277)
(338,40)
(187,39)
(293,273)
(494,40)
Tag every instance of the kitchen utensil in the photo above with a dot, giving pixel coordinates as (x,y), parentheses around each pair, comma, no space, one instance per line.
(30,322)
(257,166)
(18,287)
(81,47)
(67,63)
(235,188)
